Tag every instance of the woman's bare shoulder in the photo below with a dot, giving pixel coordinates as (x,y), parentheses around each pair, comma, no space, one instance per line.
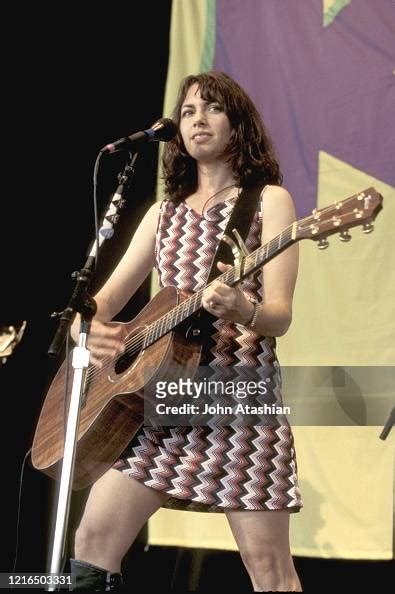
(276,193)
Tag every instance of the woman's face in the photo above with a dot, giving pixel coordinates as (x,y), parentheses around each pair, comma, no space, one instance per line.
(204,127)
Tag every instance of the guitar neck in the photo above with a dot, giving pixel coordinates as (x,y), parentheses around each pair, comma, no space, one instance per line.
(249,265)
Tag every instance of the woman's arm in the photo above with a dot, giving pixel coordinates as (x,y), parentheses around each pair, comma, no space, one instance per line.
(107,340)
(279,275)
(274,315)
(132,270)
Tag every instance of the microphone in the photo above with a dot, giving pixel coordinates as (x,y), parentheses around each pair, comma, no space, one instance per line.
(163,129)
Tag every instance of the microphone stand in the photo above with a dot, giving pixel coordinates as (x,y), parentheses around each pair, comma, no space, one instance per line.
(82,302)
(390,422)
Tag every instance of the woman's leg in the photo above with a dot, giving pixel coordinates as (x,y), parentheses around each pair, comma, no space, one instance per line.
(117,508)
(263,541)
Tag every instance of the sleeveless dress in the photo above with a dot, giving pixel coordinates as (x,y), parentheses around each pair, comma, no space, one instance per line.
(213,468)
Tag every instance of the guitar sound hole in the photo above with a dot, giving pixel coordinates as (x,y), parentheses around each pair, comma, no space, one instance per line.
(124,362)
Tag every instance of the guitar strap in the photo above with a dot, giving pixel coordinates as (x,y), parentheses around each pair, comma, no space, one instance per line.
(240,218)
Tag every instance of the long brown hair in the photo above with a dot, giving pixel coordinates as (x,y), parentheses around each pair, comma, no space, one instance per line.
(249,152)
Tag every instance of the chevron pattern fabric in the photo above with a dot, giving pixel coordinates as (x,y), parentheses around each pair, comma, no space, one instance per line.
(212,468)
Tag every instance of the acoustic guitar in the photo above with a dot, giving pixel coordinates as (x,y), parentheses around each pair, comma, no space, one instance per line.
(158,345)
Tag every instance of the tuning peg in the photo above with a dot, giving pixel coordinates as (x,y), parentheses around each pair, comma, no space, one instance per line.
(344,235)
(323,243)
(367,227)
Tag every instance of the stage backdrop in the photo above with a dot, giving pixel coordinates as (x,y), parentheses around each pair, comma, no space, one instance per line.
(322,73)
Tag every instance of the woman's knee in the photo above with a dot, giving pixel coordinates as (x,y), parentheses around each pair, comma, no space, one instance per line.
(90,536)
(271,570)
(260,561)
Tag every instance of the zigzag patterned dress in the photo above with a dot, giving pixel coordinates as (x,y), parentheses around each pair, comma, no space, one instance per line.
(212,468)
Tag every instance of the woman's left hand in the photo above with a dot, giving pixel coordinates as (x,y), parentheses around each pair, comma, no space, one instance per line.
(228,303)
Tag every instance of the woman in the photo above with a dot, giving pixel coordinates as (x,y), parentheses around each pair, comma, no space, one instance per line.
(221,148)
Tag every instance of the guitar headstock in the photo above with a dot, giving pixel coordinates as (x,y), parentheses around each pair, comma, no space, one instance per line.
(359,209)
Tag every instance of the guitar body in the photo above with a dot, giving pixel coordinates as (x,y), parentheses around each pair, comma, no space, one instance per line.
(112,409)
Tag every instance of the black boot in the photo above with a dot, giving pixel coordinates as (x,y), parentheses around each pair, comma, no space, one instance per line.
(86,576)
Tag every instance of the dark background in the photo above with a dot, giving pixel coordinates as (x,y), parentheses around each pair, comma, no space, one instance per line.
(71,84)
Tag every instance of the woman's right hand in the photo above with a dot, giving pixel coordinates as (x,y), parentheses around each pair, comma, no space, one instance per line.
(105,340)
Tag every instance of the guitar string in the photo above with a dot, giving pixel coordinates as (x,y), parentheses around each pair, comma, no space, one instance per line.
(136,341)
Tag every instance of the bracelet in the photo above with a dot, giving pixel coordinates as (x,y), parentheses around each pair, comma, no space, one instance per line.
(252,322)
